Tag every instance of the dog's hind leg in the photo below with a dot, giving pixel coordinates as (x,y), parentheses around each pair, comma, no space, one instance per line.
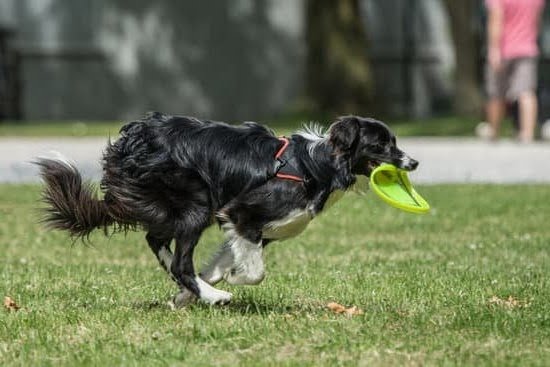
(212,274)
(183,270)
(233,262)
(161,248)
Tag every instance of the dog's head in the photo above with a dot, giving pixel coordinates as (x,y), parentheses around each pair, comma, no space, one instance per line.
(365,143)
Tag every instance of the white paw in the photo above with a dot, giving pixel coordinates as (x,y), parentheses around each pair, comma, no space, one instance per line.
(212,295)
(218,297)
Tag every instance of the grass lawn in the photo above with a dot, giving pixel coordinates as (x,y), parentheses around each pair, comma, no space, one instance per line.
(442,126)
(467,284)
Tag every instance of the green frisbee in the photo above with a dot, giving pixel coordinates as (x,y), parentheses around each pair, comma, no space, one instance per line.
(392,185)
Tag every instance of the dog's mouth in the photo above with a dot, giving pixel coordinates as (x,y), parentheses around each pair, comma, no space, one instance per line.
(371,166)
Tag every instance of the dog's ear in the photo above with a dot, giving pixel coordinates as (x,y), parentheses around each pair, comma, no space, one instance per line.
(344,133)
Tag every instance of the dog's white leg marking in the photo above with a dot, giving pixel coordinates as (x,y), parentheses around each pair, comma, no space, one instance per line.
(165,257)
(248,264)
(210,294)
(219,265)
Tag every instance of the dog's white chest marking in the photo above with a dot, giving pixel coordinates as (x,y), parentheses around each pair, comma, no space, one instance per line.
(296,221)
(290,226)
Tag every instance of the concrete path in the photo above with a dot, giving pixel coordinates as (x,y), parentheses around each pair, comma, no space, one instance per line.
(442,160)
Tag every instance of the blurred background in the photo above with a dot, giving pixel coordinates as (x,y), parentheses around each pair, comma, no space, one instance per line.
(245,59)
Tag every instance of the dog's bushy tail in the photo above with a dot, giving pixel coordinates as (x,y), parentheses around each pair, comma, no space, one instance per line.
(71,205)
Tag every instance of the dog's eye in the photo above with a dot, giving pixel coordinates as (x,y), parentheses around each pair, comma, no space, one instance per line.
(375,148)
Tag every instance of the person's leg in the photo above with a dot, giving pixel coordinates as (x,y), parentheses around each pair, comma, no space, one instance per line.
(522,88)
(495,108)
(528,111)
(495,113)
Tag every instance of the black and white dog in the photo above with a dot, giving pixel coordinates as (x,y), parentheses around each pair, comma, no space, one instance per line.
(174,176)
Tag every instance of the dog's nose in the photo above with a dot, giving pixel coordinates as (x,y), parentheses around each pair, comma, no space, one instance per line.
(408,164)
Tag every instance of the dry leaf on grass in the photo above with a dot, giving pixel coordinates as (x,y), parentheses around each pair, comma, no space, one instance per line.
(509,302)
(354,311)
(10,304)
(338,308)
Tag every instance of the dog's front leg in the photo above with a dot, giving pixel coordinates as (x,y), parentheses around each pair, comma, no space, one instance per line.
(248,265)
(219,265)
(239,261)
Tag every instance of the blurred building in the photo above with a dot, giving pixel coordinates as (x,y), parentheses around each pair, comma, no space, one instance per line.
(105,59)
(412,54)
(230,60)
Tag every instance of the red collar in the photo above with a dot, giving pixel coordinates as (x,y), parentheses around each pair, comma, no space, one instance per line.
(282,162)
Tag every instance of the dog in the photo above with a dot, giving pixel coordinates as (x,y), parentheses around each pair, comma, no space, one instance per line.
(174,176)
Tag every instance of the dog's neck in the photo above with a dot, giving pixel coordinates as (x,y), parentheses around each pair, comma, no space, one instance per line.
(320,162)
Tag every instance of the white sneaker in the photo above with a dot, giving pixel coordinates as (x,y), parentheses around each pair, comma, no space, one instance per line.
(484,131)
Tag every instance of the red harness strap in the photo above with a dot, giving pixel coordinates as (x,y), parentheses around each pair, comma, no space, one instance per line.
(278,155)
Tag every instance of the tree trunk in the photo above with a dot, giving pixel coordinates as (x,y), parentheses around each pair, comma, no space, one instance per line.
(338,73)
(467,100)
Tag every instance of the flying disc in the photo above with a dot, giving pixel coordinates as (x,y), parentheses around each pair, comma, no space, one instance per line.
(392,185)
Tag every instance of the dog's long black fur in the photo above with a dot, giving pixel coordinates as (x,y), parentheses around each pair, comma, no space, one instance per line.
(174,176)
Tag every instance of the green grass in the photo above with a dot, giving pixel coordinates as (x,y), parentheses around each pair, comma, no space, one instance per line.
(441,126)
(424,284)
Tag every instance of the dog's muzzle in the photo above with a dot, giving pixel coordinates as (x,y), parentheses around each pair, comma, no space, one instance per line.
(407,163)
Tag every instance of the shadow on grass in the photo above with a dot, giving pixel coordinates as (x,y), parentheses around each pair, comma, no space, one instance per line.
(260,307)
(240,306)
